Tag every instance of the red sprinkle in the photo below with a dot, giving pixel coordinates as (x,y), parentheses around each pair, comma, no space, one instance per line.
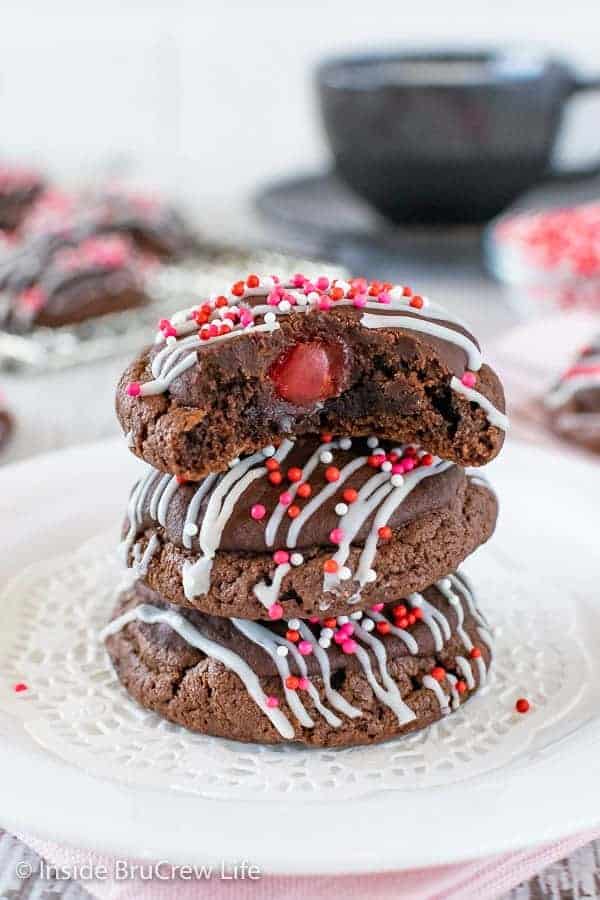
(293,511)
(326,438)
(426,460)
(275,477)
(383,627)
(475,653)
(238,289)
(330,623)
(332,473)
(461,687)
(20,687)
(522,705)
(294,474)
(416,302)
(385,532)
(438,673)
(271,464)
(252,281)
(330,566)
(350,495)
(304,490)
(292,635)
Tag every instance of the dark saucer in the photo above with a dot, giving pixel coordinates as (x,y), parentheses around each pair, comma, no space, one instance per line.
(319,216)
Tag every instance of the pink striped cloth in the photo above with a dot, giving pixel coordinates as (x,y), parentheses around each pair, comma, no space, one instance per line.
(528,359)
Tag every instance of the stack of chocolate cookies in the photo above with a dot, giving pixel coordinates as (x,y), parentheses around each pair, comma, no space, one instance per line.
(295,538)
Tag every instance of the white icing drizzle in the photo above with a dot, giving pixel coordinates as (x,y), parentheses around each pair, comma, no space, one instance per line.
(474,357)
(570,386)
(433,685)
(143,560)
(433,618)
(151,615)
(267,594)
(406,636)
(193,509)
(334,697)
(494,416)
(452,681)
(389,693)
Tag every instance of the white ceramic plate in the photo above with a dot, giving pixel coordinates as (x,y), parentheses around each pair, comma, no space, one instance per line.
(79,762)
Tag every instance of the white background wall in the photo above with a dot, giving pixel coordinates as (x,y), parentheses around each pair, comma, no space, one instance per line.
(211,98)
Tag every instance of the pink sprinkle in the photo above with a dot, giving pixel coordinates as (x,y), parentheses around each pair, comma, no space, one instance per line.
(384,297)
(408,464)
(324,304)
(309,287)
(134,389)
(258,512)
(398,469)
(272,702)
(275,611)
(349,646)
(286,498)
(336,535)
(281,557)
(305,648)
(298,280)
(273,298)
(360,301)
(469,379)
(340,636)
(377,607)
(322,283)
(303,683)
(246,317)
(348,628)
(313,620)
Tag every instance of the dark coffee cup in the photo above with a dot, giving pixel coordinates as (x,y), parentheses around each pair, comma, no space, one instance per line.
(442,137)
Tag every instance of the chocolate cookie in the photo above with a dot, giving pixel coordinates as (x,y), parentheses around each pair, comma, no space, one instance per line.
(66,283)
(19,188)
(306,527)
(574,403)
(6,426)
(328,683)
(268,358)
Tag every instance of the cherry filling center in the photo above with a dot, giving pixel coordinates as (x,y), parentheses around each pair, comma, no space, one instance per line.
(307,373)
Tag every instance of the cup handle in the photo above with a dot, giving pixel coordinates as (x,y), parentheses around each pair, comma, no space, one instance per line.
(590,170)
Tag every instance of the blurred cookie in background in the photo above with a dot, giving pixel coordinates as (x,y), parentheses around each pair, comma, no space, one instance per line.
(74,282)
(7,423)
(19,188)
(573,404)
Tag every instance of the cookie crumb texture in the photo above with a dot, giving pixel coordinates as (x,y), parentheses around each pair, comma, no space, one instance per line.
(574,403)
(375,368)
(395,687)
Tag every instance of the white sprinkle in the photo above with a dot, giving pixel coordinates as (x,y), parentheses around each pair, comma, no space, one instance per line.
(372,442)
(344,573)
(379,451)
(357,615)
(324,643)
(285,306)
(282,650)
(296,559)
(345,443)
(397,293)
(327,633)
(416,601)
(397,480)
(341,509)
(268,451)
(371,576)
(445,584)
(171,340)
(270,318)
(313,297)
(191,529)
(294,624)
(343,620)
(326,457)
(368,624)
(425,302)
(302,300)
(386,466)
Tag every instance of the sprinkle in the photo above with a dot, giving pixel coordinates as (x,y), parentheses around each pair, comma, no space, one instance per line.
(270,318)
(281,557)
(296,559)
(368,624)
(383,627)
(314,620)
(324,643)
(461,687)
(522,705)
(271,465)
(268,450)
(349,646)
(275,611)
(292,682)
(286,498)
(344,573)
(294,474)
(322,283)
(385,532)
(20,687)
(258,512)
(438,673)
(475,653)
(345,443)
(350,495)
(326,438)
(303,683)
(330,622)
(327,632)
(386,466)
(336,535)
(341,509)
(293,511)
(293,635)
(469,379)
(377,607)
(332,473)
(253,281)
(272,702)
(445,584)
(397,480)
(304,490)
(134,389)
(357,615)
(282,650)
(284,306)
(330,566)
(372,442)
(324,304)
(426,460)
(294,624)
(305,648)
(326,457)
(275,478)
(342,620)
(371,576)
(416,302)
(191,529)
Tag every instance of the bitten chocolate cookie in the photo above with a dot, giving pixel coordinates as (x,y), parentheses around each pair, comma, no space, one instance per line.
(269,358)
(574,403)
(66,283)
(326,683)
(306,527)
(19,188)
